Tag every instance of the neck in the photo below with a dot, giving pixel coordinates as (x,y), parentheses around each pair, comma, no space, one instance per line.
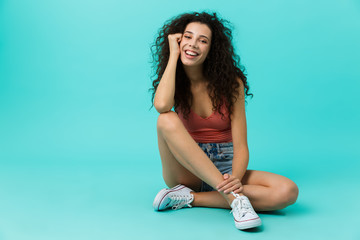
(195,74)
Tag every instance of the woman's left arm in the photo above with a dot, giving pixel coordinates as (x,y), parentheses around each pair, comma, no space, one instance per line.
(239,135)
(240,146)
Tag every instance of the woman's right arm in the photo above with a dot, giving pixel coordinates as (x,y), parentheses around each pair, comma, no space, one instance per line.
(165,92)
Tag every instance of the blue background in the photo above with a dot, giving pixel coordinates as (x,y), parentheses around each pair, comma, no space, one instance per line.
(78,146)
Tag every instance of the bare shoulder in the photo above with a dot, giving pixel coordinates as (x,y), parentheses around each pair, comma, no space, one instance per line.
(240,90)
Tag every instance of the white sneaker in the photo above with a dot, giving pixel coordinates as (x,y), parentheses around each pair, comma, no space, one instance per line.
(175,198)
(244,215)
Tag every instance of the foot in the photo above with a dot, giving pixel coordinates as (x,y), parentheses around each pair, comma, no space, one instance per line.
(244,215)
(175,198)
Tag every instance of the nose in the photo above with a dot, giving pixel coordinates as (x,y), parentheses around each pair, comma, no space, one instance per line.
(193,44)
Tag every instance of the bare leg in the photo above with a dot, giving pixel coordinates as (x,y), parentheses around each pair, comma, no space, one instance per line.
(269,191)
(184,162)
(266,192)
(209,199)
(259,198)
(182,159)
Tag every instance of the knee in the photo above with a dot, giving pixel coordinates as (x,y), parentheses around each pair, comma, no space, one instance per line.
(167,121)
(286,194)
(174,178)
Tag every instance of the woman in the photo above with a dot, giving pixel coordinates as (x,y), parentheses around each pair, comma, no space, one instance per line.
(203,144)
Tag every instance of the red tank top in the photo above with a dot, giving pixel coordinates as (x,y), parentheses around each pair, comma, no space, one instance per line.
(212,129)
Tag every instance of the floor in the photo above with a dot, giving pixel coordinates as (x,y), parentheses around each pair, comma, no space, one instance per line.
(97,200)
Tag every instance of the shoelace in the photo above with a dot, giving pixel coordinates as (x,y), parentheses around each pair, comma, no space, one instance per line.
(179,201)
(241,205)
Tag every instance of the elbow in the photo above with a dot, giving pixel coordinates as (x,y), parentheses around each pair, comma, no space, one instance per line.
(162,108)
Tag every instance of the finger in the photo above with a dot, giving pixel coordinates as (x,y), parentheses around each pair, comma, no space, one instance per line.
(228,186)
(228,180)
(239,190)
(222,184)
(233,188)
(231,185)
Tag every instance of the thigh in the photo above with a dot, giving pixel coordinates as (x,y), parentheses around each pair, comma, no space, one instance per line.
(267,179)
(175,173)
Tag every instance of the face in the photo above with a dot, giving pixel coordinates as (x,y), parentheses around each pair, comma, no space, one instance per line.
(195,44)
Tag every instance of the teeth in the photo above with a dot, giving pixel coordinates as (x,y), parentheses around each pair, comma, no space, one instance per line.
(191,53)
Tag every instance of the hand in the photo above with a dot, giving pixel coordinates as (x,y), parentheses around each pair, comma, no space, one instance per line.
(174,43)
(230,184)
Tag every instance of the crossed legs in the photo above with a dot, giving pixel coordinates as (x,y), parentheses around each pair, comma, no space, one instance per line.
(184,162)
(266,192)
(182,159)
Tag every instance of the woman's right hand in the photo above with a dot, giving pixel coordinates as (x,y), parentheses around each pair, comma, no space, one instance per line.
(174,43)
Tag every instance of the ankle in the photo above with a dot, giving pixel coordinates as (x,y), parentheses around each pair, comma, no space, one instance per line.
(193,196)
(229,198)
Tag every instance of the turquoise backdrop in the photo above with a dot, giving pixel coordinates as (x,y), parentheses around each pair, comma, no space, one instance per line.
(78,145)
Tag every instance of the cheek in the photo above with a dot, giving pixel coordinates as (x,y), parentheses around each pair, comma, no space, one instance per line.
(206,51)
(182,45)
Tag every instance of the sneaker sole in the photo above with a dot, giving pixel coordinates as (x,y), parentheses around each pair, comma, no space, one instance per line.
(248,224)
(162,194)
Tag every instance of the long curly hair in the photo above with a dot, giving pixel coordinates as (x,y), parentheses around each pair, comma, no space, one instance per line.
(221,67)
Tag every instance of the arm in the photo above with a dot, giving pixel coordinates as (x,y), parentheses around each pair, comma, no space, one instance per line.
(240,147)
(165,92)
(239,136)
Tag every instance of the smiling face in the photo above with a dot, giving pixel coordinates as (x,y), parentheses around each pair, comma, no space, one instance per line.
(195,44)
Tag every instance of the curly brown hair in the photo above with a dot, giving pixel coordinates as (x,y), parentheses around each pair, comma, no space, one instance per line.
(221,68)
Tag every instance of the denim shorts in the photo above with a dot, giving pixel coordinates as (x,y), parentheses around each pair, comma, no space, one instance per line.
(221,154)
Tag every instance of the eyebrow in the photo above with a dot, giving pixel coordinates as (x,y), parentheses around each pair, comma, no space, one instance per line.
(200,35)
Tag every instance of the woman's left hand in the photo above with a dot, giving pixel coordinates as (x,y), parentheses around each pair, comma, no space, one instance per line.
(230,184)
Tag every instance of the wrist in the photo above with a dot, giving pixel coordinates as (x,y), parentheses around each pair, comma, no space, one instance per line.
(238,175)
(174,56)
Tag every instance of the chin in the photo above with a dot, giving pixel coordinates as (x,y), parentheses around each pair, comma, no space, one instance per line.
(188,63)
(191,64)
